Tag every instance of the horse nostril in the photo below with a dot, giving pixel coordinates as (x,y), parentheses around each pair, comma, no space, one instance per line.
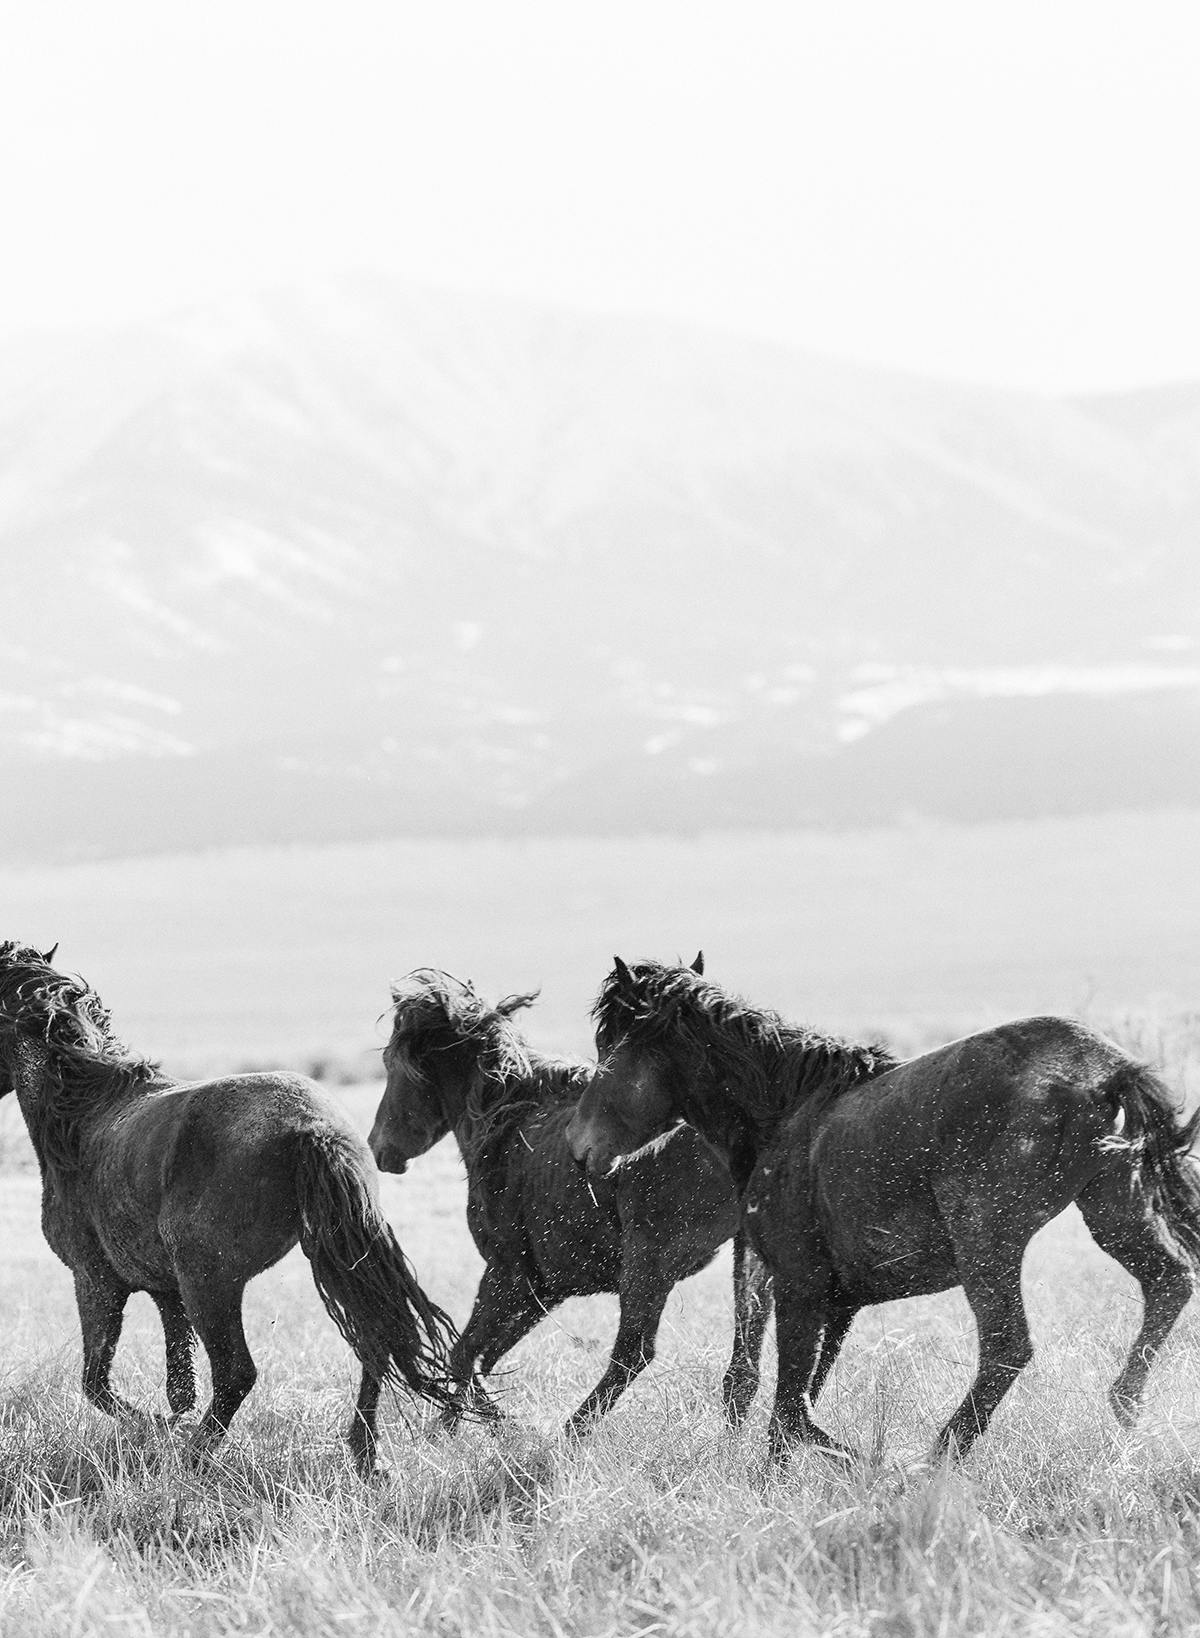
(389,1159)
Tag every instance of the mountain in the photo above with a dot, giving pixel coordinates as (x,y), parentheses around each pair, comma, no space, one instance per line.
(355,559)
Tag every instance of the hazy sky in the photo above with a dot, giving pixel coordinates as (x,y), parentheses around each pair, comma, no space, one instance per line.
(1005,192)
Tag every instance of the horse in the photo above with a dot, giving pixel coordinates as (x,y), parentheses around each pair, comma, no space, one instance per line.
(186,1190)
(454,1063)
(865,1179)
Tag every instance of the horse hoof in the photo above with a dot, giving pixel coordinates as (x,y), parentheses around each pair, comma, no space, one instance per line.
(781,1451)
(1124,1408)
(372,1471)
(919,1467)
(200,1448)
(135,1417)
(843,1455)
(737,1410)
(737,1396)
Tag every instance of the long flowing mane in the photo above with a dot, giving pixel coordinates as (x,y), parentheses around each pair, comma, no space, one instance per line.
(435,1012)
(86,1064)
(774,1065)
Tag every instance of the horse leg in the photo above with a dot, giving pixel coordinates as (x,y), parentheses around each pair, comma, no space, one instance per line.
(504,1311)
(643,1292)
(992,1283)
(215,1310)
(838,1322)
(180,1342)
(752,1304)
(362,1437)
(804,1315)
(1123,1223)
(101,1298)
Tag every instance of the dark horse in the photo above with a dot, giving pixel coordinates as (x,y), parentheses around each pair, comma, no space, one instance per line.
(868,1180)
(455,1064)
(188,1190)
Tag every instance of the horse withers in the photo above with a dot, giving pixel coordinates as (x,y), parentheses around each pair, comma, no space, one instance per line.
(187,1190)
(868,1180)
(454,1063)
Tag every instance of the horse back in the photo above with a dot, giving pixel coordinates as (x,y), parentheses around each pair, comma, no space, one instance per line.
(1005,1124)
(972,1092)
(233,1125)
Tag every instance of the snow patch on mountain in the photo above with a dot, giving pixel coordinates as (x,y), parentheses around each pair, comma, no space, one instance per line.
(888,690)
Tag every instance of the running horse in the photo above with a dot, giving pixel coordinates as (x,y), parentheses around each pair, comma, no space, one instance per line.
(187,1190)
(866,1179)
(454,1063)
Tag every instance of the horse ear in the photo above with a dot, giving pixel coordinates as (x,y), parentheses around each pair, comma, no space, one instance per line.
(698,964)
(514,1003)
(624,976)
(50,953)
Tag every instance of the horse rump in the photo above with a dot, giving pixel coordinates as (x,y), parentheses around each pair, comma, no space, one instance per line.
(1162,1145)
(364,1279)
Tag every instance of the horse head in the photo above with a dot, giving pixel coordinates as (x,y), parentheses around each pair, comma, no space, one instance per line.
(442,1035)
(638,1090)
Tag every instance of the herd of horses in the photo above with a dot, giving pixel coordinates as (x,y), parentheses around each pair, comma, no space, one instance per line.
(843,1176)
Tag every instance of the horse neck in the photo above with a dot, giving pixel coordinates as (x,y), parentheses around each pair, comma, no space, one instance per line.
(747,1110)
(809,1071)
(481,1114)
(478,1113)
(743,1106)
(734,1135)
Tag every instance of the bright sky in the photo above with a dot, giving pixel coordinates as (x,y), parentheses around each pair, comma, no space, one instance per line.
(1001,192)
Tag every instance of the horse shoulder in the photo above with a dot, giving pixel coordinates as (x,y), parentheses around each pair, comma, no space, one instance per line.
(501,1177)
(64,1226)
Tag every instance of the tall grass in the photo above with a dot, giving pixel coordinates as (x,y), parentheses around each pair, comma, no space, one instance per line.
(662,1524)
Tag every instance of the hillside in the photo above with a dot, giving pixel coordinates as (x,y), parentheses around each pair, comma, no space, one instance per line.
(359,560)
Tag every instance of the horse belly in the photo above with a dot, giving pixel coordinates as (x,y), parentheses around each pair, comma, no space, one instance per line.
(575,1264)
(901,1258)
(139,1256)
(890,1247)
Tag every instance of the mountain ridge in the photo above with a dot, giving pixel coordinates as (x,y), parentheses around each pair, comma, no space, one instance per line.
(463,555)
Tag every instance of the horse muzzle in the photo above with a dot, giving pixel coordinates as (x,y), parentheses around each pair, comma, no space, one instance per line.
(389,1158)
(590,1155)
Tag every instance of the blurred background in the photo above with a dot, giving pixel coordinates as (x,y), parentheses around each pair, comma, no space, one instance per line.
(492,486)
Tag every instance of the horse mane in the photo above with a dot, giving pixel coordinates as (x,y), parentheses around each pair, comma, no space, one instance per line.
(776,1066)
(434,1012)
(87,1065)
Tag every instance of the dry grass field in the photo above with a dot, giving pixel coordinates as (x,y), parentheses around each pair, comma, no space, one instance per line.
(663,1522)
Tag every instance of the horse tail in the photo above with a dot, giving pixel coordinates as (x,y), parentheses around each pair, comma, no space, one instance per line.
(1162,1144)
(364,1279)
